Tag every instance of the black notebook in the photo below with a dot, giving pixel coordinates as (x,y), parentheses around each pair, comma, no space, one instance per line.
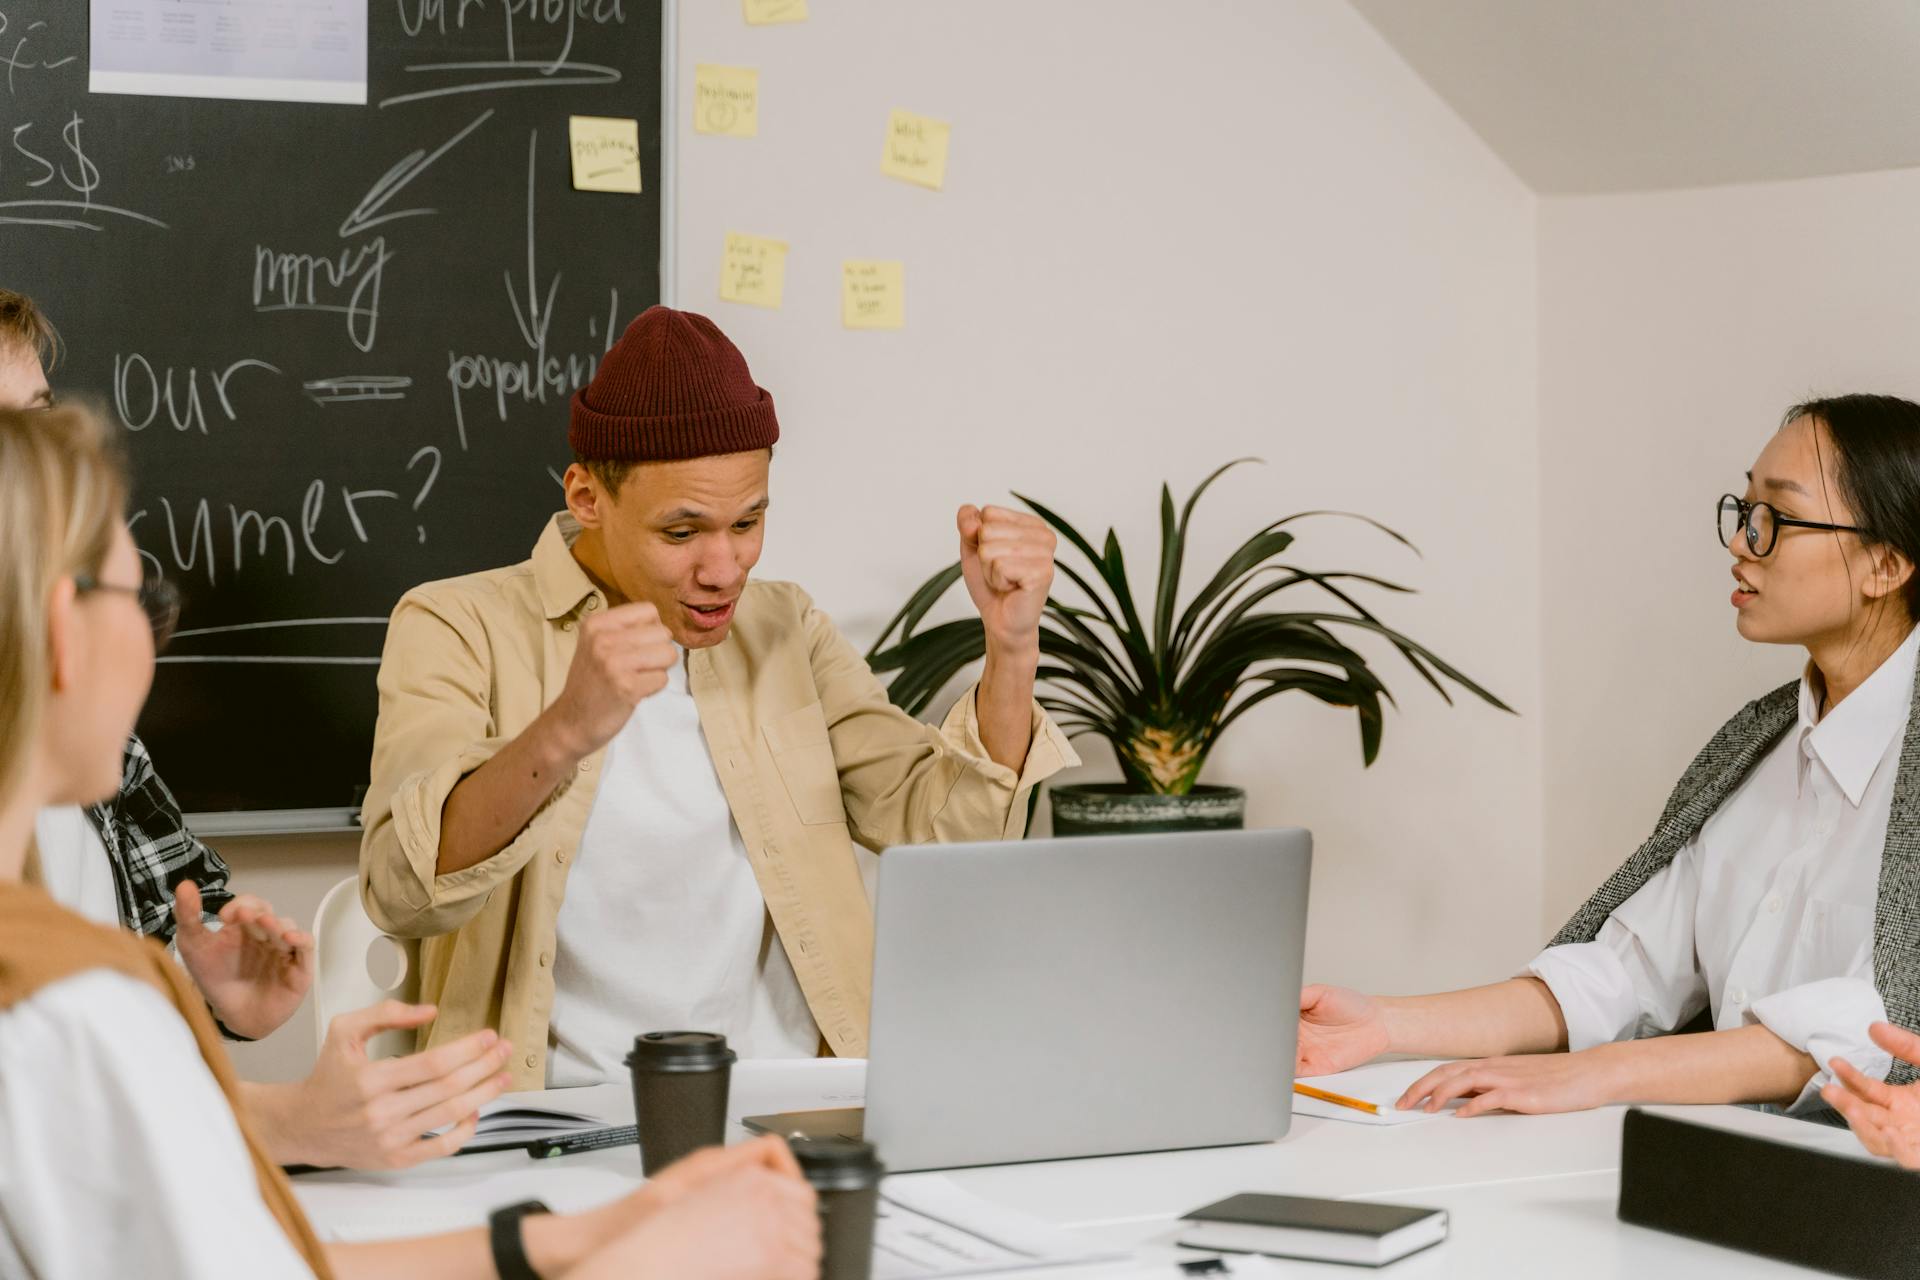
(1845,1215)
(1352,1231)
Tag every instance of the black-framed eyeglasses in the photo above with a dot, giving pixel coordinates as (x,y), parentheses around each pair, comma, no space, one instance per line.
(159,599)
(1760,524)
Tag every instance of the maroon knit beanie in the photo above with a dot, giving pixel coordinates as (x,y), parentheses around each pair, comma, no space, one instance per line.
(673,387)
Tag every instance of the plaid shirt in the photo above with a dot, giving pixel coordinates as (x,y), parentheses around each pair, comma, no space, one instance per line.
(151,850)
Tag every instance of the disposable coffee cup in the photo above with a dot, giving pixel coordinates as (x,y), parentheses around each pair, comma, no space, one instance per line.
(679,1093)
(846,1176)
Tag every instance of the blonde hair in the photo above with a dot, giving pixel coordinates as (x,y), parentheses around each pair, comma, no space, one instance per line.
(24,324)
(63,492)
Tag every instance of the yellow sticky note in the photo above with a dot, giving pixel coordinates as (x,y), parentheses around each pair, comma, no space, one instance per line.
(873,295)
(726,100)
(764,13)
(916,149)
(606,153)
(753,270)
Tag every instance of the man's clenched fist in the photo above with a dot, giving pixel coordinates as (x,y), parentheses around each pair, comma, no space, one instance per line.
(1007,559)
(624,656)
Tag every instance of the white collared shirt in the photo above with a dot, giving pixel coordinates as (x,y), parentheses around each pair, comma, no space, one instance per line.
(1766,916)
(119,1155)
(75,868)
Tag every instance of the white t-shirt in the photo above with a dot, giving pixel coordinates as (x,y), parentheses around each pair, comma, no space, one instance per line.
(119,1155)
(75,865)
(663,927)
(1766,916)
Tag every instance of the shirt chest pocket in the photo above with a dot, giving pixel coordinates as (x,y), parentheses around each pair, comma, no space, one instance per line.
(1835,938)
(803,754)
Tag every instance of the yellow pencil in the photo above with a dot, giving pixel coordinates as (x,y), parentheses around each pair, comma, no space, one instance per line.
(1339,1099)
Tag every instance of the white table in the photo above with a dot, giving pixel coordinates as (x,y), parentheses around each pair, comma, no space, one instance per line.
(1528,1195)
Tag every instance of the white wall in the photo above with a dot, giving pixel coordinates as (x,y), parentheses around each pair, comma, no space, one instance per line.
(1172,235)
(1675,329)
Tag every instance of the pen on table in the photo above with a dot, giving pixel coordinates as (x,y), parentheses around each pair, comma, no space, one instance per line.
(1197,1267)
(1339,1099)
(596,1140)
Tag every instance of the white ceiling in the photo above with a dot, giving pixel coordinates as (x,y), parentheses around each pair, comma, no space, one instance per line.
(1632,95)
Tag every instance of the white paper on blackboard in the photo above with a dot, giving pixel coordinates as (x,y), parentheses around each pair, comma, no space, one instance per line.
(271,50)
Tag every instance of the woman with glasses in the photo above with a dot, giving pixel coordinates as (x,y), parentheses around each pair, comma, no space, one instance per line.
(131,860)
(1775,907)
(124,1147)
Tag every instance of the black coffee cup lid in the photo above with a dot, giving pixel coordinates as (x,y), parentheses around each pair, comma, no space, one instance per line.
(680,1051)
(834,1163)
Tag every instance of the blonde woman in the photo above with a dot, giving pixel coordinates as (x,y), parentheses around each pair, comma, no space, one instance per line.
(131,859)
(123,1150)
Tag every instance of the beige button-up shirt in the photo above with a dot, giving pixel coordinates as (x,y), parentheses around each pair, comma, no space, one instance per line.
(810,754)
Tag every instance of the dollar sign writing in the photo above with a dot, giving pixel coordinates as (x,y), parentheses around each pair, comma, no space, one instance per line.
(89,174)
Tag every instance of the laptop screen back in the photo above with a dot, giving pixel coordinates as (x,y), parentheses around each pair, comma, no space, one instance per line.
(1089,996)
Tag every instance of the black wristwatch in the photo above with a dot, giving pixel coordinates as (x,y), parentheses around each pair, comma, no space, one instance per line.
(509,1248)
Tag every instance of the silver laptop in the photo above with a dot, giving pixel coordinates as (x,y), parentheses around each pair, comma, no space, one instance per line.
(1080,997)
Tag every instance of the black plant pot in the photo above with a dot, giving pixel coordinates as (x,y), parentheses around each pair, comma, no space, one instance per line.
(1109,809)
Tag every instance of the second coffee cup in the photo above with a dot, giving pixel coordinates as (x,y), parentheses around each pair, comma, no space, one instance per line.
(680,1083)
(846,1174)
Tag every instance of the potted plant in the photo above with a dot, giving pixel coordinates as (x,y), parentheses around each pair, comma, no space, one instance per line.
(1164,688)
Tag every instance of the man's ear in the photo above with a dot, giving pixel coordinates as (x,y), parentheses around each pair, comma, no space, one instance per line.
(61,636)
(586,500)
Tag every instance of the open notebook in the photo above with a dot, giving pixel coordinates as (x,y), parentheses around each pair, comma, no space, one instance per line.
(515,1119)
(1380,1083)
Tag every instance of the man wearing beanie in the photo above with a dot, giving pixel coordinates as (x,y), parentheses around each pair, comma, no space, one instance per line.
(615,787)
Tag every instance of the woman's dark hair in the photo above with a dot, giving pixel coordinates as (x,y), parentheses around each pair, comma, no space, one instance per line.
(1876,441)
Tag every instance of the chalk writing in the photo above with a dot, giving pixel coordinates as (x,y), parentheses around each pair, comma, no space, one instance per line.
(140,392)
(367,213)
(239,632)
(431,456)
(352,388)
(16,58)
(535,379)
(540,378)
(76,172)
(346,390)
(314,282)
(519,20)
(417,16)
(208,537)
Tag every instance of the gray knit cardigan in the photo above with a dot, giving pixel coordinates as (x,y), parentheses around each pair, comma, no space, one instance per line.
(1711,778)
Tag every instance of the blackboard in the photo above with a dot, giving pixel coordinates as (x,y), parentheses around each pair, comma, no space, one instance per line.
(337,341)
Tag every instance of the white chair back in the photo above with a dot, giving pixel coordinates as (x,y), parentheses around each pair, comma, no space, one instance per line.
(356,965)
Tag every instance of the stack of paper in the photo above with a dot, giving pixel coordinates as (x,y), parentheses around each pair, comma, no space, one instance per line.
(351,1207)
(1378,1083)
(931,1228)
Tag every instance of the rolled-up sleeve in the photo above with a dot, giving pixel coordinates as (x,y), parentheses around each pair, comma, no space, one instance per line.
(435,727)
(1639,977)
(1048,752)
(1825,1020)
(1595,995)
(904,782)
